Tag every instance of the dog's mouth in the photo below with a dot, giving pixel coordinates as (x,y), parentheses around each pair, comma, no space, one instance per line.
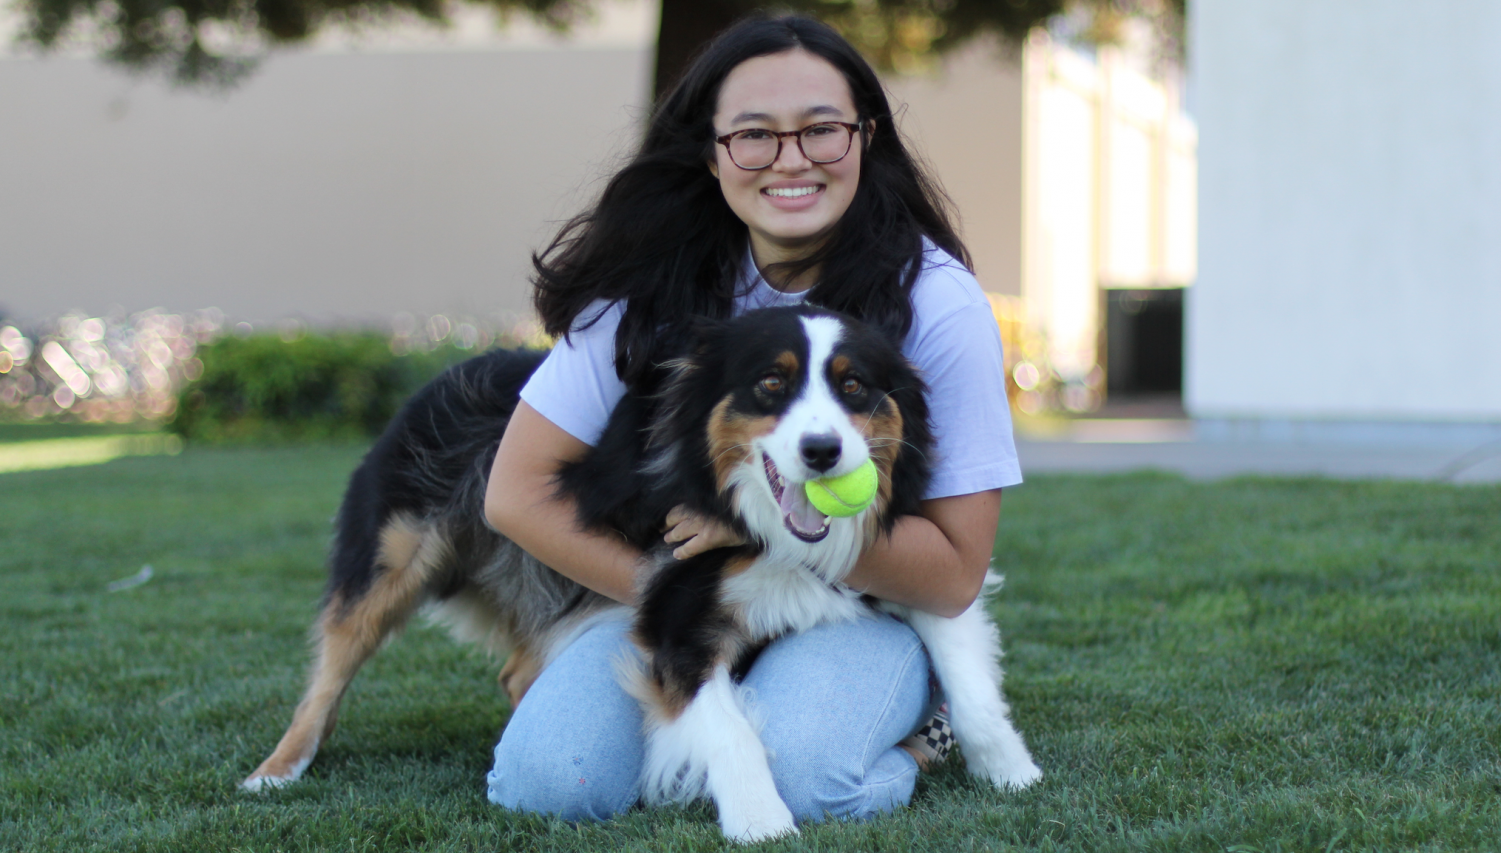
(798,515)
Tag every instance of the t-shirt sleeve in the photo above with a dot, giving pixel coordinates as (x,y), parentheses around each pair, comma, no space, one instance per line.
(960,357)
(576,387)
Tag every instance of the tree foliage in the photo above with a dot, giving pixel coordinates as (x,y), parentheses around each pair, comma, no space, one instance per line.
(217,42)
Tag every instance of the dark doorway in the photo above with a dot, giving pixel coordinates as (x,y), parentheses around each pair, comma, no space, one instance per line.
(1144,343)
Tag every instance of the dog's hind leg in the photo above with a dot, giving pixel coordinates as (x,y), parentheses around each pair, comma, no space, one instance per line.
(965,652)
(349,630)
(521,669)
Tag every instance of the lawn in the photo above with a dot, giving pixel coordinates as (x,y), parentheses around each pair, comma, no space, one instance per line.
(1245,665)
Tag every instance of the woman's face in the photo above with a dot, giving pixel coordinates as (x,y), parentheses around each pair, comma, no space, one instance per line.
(781,92)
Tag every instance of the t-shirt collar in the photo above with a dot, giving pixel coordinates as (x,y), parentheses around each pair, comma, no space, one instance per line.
(758,292)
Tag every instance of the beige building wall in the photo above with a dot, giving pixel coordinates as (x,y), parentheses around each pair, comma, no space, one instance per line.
(966,119)
(330,186)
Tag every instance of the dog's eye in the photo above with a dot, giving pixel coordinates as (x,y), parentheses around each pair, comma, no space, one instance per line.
(852,386)
(772,384)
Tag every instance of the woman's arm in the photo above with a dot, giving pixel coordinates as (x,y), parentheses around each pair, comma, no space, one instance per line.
(521,502)
(936,561)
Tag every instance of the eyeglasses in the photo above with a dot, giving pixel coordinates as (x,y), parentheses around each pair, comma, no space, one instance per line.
(756,148)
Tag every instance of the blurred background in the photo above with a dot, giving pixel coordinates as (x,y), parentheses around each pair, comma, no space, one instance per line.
(1231,221)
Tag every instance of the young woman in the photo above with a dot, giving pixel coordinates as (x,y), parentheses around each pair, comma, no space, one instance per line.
(772,174)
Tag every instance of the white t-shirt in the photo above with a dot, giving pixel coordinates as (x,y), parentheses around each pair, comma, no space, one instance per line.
(954,342)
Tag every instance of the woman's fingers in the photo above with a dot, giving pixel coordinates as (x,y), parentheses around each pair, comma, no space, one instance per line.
(681,532)
(694,534)
(682,523)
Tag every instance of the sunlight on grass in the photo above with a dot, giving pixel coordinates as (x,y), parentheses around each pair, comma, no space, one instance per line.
(49,453)
(1255,664)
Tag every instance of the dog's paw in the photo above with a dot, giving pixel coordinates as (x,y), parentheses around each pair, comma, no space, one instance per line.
(757,823)
(275,773)
(1011,775)
(256,783)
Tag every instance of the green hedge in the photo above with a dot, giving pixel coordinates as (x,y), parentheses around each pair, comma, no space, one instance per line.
(335,386)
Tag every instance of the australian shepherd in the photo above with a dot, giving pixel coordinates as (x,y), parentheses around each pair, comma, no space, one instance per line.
(748,411)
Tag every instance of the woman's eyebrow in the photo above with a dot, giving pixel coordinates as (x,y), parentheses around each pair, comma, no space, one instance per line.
(811,112)
(822,110)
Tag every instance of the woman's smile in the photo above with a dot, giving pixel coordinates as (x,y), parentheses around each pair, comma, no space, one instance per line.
(793,195)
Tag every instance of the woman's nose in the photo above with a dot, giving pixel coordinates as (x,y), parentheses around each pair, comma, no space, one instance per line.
(791,157)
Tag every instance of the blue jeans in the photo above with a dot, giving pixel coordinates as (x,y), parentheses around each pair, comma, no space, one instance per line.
(835,701)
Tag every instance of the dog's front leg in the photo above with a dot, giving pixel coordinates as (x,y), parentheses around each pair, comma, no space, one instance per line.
(965,652)
(699,738)
(711,746)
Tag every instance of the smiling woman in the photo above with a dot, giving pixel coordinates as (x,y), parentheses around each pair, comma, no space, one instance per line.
(773,174)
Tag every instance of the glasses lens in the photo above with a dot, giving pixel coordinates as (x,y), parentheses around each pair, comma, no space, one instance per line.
(753,149)
(825,143)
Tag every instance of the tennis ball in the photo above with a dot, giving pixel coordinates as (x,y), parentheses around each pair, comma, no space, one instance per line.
(846,495)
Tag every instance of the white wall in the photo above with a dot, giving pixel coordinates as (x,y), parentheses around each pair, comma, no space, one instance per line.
(1350,211)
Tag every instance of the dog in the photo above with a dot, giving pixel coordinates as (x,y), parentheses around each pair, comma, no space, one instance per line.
(746,412)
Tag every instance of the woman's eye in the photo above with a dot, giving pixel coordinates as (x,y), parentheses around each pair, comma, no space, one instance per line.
(821,129)
(754,135)
(852,386)
(771,384)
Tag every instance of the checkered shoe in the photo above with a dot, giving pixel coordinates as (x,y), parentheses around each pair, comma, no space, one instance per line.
(934,738)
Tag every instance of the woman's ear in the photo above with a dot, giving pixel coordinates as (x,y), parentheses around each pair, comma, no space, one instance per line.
(714,169)
(868,132)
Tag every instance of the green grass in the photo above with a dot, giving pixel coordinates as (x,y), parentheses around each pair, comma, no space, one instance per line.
(1245,665)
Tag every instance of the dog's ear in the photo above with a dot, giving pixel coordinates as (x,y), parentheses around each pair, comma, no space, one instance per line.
(686,385)
(914,464)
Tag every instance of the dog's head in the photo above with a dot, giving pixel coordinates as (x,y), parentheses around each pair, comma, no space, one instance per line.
(775,398)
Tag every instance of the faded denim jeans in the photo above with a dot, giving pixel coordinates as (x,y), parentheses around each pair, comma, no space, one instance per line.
(835,700)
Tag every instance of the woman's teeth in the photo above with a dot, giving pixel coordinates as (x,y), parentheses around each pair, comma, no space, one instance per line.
(791,193)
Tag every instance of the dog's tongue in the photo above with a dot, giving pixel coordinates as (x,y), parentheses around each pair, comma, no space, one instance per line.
(801,514)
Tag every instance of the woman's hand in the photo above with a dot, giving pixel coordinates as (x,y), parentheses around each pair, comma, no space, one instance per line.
(697,533)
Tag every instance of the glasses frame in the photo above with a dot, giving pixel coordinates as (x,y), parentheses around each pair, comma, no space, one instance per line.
(725,140)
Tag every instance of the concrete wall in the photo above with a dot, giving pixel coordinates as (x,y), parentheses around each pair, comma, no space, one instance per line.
(966,120)
(330,186)
(1350,211)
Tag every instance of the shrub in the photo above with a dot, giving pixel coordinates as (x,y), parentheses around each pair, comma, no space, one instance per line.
(334,386)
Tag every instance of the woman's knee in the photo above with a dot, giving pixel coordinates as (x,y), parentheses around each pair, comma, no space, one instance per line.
(835,704)
(568,785)
(573,747)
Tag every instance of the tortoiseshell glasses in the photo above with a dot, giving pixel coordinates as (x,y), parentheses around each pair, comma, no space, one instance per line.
(757,148)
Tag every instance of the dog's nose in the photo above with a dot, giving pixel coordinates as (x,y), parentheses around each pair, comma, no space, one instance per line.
(820,452)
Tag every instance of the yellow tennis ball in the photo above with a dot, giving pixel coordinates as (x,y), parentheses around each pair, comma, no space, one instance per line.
(845,495)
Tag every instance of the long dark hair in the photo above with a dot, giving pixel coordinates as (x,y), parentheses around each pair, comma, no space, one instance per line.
(663,239)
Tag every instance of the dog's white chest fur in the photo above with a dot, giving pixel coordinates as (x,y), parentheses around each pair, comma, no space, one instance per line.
(776,597)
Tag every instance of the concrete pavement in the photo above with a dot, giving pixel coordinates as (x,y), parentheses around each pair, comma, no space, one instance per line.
(1176,445)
